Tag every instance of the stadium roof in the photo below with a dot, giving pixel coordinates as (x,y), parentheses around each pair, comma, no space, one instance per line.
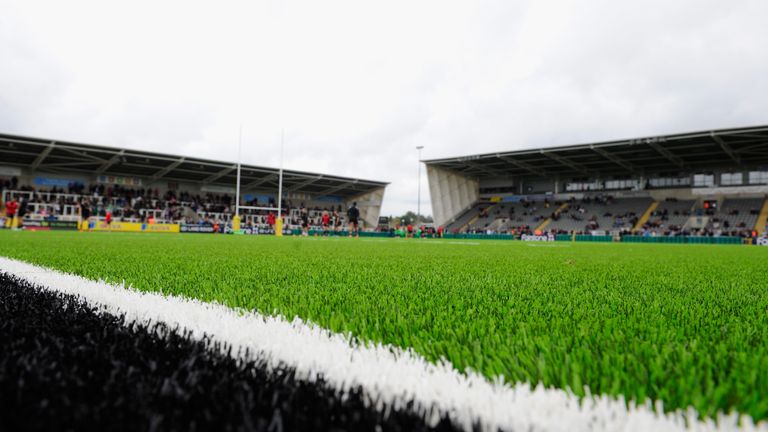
(65,157)
(743,147)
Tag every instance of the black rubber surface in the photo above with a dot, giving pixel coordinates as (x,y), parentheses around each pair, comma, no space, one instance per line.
(65,366)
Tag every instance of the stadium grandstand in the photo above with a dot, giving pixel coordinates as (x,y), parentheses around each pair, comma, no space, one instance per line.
(709,183)
(55,178)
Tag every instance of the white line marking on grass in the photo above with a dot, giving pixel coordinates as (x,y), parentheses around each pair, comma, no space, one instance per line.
(460,243)
(553,245)
(387,374)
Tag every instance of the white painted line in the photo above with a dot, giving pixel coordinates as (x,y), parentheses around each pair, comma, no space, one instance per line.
(387,374)
(548,245)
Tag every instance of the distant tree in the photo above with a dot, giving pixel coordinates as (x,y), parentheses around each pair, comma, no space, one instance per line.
(410,218)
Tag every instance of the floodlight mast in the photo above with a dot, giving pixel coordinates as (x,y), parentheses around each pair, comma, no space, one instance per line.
(418,204)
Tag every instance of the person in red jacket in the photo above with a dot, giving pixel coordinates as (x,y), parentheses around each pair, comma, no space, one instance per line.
(326,221)
(10,213)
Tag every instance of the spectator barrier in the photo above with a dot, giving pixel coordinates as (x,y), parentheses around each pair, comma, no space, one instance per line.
(682,239)
(593,238)
(342,233)
(479,236)
(608,238)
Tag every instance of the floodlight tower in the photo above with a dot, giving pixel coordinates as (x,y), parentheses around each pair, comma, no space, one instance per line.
(418,202)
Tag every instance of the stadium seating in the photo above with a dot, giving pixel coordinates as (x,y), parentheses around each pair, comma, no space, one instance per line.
(600,214)
(735,215)
(669,217)
(503,217)
(486,218)
(529,214)
(465,217)
(132,205)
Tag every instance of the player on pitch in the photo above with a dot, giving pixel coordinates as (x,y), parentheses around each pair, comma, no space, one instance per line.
(353,214)
(10,213)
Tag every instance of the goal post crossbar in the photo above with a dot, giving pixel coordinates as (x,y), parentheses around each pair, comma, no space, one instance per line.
(258,208)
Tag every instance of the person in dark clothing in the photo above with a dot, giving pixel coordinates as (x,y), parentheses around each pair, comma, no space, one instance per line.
(353,214)
(336,219)
(304,221)
(23,207)
(85,216)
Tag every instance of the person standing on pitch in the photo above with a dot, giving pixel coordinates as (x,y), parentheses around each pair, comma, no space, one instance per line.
(85,216)
(10,213)
(354,224)
(336,220)
(271,221)
(304,221)
(23,206)
(326,222)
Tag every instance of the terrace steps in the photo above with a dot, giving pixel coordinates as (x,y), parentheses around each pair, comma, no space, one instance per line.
(548,220)
(475,218)
(762,219)
(647,215)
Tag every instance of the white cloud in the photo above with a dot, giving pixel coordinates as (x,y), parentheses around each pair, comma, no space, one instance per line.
(358,85)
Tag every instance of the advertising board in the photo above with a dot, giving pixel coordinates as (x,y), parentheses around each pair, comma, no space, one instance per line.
(196,228)
(119,180)
(134,227)
(53,225)
(541,238)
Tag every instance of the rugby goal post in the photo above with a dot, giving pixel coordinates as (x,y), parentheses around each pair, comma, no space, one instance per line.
(279,209)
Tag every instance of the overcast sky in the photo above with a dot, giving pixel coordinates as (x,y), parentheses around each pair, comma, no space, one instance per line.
(357,85)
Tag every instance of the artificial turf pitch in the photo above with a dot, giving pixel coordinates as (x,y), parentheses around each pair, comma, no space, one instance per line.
(684,324)
(68,366)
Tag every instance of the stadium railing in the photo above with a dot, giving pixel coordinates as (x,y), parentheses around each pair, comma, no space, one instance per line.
(479,236)
(682,239)
(312,232)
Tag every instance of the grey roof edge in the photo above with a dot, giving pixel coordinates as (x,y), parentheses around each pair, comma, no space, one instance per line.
(602,144)
(46,141)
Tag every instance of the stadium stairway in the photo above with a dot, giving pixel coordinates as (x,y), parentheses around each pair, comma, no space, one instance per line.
(644,218)
(475,218)
(469,223)
(548,220)
(762,219)
(188,213)
(496,225)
